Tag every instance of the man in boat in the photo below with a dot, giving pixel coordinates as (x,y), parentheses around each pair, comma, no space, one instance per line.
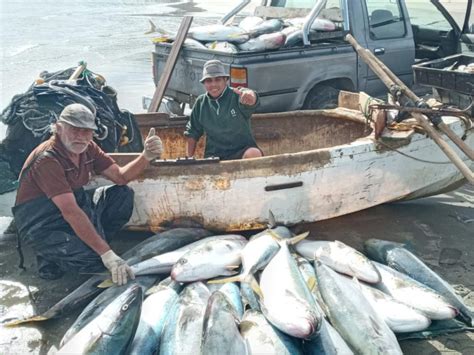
(67,226)
(223,114)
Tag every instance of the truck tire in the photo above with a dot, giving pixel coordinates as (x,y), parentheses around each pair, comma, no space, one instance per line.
(321,97)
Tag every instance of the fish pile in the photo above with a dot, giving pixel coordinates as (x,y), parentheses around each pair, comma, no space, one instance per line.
(252,34)
(274,293)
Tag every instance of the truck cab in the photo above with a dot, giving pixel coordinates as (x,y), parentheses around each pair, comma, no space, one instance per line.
(311,74)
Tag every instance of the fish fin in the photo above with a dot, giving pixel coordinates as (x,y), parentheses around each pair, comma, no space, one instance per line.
(105,284)
(356,282)
(245,325)
(232,267)
(271,220)
(237,278)
(298,238)
(17,322)
(274,235)
(250,279)
(311,283)
(154,28)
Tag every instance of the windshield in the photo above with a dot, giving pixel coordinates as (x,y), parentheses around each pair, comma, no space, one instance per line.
(424,14)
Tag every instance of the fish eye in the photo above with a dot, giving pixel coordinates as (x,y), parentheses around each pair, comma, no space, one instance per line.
(124,307)
(183,261)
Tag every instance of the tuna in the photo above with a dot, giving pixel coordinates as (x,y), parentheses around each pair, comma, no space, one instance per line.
(107,325)
(287,301)
(263,338)
(398,316)
(266,27)
(157,244)
(352,315)
(404,261)
(414,294)
(218,32)
(328,342)
(183,330)
(340,257)
(208,260)
(225,47)
(264,42)
(220,329)
(154,314)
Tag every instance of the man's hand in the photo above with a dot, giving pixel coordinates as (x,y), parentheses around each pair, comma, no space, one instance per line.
(118,267)
(153,146)
(247,96)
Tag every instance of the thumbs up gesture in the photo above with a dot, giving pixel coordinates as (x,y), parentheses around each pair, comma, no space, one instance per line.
(153,146)
(247,96)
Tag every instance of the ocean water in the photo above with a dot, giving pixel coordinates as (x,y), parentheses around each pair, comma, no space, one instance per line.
(51,35)
(38,35)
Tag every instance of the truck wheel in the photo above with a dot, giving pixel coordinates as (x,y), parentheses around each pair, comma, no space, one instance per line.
(321,97)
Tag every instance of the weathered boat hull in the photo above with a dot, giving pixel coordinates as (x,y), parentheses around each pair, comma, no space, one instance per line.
(297,187)
(318,165)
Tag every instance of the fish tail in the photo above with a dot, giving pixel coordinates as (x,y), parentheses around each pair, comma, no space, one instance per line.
(237,278)
(252,282)
(105,284)
(154,28)
(298,238)
(23,321)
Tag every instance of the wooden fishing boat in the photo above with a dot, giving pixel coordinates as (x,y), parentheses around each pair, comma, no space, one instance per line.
(318,165)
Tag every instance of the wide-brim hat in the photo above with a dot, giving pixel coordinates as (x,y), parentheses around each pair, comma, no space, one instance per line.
(79,116)
(213,69)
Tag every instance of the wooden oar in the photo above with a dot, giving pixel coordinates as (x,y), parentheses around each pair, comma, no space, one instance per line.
(387,79)
(170,63)
(413,97)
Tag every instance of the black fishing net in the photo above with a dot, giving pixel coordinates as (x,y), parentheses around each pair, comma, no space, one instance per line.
(29,117)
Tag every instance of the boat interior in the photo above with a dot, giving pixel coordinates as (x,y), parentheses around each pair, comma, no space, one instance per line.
(275,133)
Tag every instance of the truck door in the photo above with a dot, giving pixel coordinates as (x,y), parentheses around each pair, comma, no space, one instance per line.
(390,38)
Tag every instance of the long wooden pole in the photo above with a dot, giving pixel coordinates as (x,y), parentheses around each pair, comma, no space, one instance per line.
(170,63)
(412,96)
(367,56)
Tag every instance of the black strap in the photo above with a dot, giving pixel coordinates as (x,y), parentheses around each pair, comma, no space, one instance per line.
(46,153)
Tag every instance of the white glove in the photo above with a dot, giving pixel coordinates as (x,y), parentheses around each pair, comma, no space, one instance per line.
(118,267)
(153,146)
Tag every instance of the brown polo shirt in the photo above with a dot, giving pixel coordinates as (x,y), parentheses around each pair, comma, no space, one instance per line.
(54,175)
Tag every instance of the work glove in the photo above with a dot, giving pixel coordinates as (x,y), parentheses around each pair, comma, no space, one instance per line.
(153,146)
(118,267)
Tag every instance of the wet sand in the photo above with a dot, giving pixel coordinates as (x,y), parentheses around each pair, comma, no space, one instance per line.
(440,230)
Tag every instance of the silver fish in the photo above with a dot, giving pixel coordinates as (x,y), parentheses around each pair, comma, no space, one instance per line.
(225,47)
(398,316)
(352,315)
(287,302)
(155,311)
(250,22)
(264,42)
(183,330)
(267,26)
(340,257)
(263,338)
(402,260)
(220,333)
(218,32)
(107,325)
(328,342)
(414,294)
(208,260)
(163,263)
(232,291)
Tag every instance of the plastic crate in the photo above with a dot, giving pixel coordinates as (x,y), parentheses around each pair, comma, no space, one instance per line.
(438,73)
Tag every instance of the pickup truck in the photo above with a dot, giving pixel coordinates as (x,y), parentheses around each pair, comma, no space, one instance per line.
(309,76)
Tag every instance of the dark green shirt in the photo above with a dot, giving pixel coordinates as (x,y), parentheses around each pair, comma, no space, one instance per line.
(225,121)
